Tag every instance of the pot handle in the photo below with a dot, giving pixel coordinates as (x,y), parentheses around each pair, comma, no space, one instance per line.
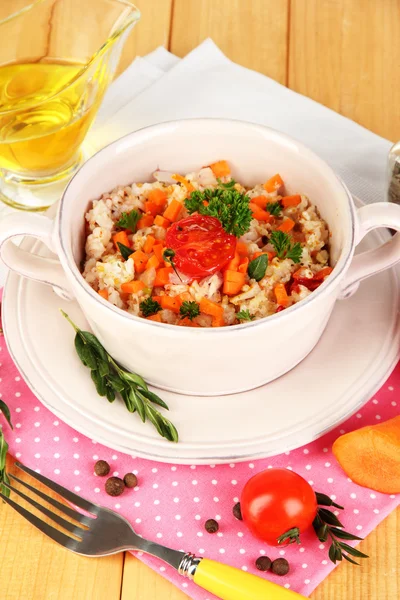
(45,270)
(372,216)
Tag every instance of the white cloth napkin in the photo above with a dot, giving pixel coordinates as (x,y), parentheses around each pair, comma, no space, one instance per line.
(161,87)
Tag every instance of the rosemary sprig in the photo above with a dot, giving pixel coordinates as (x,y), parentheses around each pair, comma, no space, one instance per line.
(3,451)
(110,379)
(327,525)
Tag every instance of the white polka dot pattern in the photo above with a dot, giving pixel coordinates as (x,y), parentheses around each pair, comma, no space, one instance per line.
(172,502)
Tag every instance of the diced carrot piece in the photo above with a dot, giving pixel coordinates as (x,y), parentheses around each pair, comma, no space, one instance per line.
(218,321)
(270,255)
(158,250)
(261,201)
(122,238)
(244,263)
(323,273)
(273,184)
(162,222)
(173,211)
(155,317)
(220,168)
(233,264)
(258,213)
(162,276)
(157,196)
(211,308)
(149,243)
(281,295)
(132,287)
(173,304)
(157,299)
(234,276)
(145,221)
(140,260)
(242,248)
(104,294)
(231,288)
(151,208)
(291,200)
(183,181)
(299,274)
(287,225)
(257,254)
(370,456)
(153,262)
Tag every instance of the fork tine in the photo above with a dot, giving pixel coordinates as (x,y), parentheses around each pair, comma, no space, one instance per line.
(56,518)
(62,491)
(52,533)
(70,512)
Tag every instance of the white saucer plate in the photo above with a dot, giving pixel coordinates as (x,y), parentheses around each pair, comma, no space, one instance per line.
(357,352)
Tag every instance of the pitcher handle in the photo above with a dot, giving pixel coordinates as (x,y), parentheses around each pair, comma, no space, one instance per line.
(372,216)
(44,270)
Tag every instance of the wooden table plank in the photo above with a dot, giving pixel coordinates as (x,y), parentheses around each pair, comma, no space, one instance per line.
(33,567)
(253,34)
(346,55)
(150,32)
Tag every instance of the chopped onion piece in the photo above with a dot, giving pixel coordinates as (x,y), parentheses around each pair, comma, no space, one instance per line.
(164,176)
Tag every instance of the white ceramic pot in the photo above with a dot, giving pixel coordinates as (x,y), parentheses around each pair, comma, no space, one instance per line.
(215,360)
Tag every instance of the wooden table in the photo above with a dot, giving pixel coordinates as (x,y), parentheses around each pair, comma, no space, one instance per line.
(342,53)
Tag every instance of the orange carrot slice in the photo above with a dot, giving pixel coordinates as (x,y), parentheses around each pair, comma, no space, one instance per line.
(132,287)
(173,211)
(274,183)
(162,222)
(121,238)
(145,221)
(140,260)
(287,225)
(291,200)
(162,276)
(281,295)
(220,168)
(370,456)
(104,294)
(211,308)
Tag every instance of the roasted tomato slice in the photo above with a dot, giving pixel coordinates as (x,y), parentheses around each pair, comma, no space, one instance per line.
(201,245)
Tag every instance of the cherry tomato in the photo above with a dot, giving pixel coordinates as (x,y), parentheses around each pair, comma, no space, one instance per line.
(201,245)
(276,502)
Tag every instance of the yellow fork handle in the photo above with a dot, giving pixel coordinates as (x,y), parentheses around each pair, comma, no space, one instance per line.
(229,583)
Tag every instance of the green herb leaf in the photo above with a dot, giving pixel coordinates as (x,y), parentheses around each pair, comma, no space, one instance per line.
(257,267)
(332,552)
(129,220)
(229,206)
(85,352)
(115,382)
(227,186)
(322,533)
(352,551)
(244,315)
(98,382)
(125,251)
(350,560)
(154,398)
(274,208)
(324,500)
(328,517)
(110,394)
(343,535)
(6,412)
(138,402)
(284,246)
(189,309)
(295,252)
(149,307)
(103,368)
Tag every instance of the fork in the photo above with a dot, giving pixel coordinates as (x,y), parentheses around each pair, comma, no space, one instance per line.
(101,532)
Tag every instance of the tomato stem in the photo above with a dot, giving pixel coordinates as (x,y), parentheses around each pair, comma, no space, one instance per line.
(290,537)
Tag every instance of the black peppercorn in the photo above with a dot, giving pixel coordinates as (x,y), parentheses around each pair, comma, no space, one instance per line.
(263,563)
(280,566)
(237,512)
(114,486)
(130,480)
(211,526)
(102,468)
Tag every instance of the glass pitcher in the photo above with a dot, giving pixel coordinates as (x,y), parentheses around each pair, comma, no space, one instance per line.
(57,58)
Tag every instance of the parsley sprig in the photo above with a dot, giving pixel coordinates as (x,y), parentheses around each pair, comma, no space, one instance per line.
(226,204)
(274,208)
(189,309)
(4,480)
(244,315)
(149,307)
(110,379)
(284,246)
(129,220)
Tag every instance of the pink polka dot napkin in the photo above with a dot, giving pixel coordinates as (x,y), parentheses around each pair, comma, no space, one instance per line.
(171,503)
